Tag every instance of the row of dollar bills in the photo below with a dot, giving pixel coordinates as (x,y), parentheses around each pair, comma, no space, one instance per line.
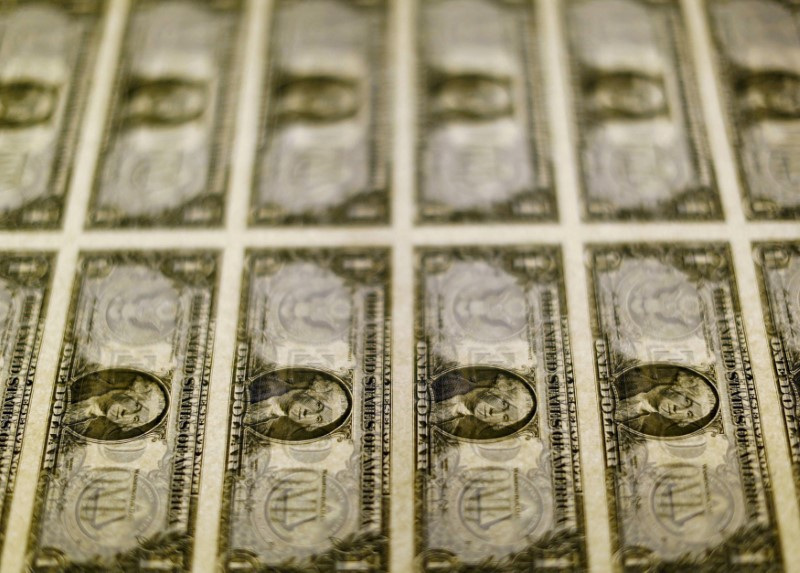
(345,248)
(323,148)
(497,454)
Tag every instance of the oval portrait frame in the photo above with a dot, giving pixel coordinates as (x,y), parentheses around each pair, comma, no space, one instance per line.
(332,428)
(149,376)
(709,419)
(520,426)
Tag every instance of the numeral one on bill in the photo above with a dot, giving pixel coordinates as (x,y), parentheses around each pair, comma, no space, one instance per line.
(497,463)
(323,146)
(165,155)
(758,48)
(122,459)
(779,273)
(24,285)
(641,151)
(482,149)
(47,51)
(307,483)
(685,462)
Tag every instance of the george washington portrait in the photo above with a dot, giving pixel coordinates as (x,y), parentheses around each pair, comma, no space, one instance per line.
(770,95)
(165,102)
(26,103)
(625,95)
(296,404)
(662,400)
(481,403)
(115,404)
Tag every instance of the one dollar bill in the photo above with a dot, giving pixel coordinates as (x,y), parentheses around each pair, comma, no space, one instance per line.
(47,51)
(497,454)
(641,151)
(307,483)
(779,272)
(482,146)
(24,285)
(122,460)
(323,147)
(165,155)
(686,470)
(758,49)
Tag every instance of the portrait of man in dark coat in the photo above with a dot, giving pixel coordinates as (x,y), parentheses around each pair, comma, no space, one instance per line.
(116,404)
(626,95)
(770,95)
(662,400)
(25,104)
(317,99)
(296,404)
(481,403)
(165,102)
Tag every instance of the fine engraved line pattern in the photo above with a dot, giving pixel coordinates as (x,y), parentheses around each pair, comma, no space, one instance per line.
(164,159)
(307,481)
(778,266)
(595,508)
(497,450)
(233,240)
(24,292)
(483,152)
(686,467)
(757,45)
(322,156)
(121,467)
(65,241)
(47,52)
(740,233)
(642,151)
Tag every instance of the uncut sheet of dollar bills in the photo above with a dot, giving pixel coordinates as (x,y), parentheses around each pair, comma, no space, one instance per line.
(445,286)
